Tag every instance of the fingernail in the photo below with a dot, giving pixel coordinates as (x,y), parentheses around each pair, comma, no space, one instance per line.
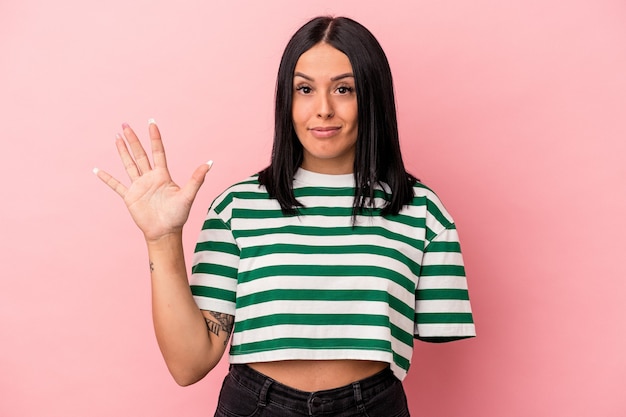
(151,122)
(118,136)
(125,125)
(210,164)
(95,171)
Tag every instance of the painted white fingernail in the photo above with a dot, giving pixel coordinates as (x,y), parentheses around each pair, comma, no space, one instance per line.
(210,163)
(95,171)
(151,122)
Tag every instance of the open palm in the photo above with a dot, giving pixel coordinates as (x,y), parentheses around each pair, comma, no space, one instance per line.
(158,206)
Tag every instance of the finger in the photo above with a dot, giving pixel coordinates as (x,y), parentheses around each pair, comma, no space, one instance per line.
(141,158)
(114,184)
(190,190)
(158,151)
(129,163)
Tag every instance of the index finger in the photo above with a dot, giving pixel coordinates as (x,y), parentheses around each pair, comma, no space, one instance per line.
(158,151)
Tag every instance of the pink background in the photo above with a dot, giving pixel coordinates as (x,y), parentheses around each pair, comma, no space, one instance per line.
(513,111)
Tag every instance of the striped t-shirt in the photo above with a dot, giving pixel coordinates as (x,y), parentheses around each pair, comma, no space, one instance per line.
(317,285)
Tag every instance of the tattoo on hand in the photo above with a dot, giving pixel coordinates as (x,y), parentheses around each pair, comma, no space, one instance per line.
(224,322)
(151,266)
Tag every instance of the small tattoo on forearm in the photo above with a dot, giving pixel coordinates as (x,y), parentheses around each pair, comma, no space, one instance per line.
(224,322)
(151,266)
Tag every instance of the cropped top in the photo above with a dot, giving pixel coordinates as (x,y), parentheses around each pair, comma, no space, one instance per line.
(316,285)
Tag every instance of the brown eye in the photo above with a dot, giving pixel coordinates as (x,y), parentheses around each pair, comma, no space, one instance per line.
(304,89)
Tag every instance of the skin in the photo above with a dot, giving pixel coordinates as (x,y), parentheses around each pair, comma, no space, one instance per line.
(325,119)
(192,341)
(324,110)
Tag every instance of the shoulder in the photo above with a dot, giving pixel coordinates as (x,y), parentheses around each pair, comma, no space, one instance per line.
(422,190)
(248,188)
(249,184)
(426,199)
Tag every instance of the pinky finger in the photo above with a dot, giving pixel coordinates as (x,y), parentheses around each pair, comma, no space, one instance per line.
(114,184)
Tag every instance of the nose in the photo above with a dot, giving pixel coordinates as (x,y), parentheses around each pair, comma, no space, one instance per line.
(325,107)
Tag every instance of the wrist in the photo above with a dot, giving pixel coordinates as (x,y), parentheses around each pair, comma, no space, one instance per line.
(165,255)
(165,240)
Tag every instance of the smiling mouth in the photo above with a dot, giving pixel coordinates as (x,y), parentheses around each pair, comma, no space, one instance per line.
(324,131)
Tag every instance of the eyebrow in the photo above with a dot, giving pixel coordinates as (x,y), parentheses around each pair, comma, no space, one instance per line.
(335,78)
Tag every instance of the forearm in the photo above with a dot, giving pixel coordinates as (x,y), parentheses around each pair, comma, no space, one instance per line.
(181,330)
(160,209)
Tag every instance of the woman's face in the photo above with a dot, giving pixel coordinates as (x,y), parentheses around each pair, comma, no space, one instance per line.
(324,110)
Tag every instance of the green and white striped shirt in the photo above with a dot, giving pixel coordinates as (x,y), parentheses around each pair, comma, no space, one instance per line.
(316,286)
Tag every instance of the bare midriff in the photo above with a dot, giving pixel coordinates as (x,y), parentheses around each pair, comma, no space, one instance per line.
(318,375)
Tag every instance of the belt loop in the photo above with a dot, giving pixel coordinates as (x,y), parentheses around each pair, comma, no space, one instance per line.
(358,397)
(263,393)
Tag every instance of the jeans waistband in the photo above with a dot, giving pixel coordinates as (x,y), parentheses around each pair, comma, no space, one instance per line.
(311,403)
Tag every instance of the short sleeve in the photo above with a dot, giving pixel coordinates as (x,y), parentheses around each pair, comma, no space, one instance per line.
(215,264)
(442,307)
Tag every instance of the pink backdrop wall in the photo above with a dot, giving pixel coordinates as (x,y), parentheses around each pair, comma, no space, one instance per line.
(514,112)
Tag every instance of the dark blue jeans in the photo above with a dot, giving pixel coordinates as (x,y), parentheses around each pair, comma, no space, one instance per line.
(248,393)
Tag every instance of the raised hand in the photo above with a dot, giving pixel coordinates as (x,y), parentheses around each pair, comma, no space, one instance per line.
(158,206)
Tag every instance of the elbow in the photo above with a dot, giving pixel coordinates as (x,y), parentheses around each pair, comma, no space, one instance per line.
(184,381)
(185,377)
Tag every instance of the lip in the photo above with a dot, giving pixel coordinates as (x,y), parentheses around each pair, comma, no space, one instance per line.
(324,131)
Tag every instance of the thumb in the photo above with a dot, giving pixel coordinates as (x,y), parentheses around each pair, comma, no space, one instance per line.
(190,190)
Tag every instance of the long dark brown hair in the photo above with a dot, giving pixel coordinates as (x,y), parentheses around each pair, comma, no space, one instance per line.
(377,156)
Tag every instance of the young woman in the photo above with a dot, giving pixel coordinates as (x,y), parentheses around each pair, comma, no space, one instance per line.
(324,266)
